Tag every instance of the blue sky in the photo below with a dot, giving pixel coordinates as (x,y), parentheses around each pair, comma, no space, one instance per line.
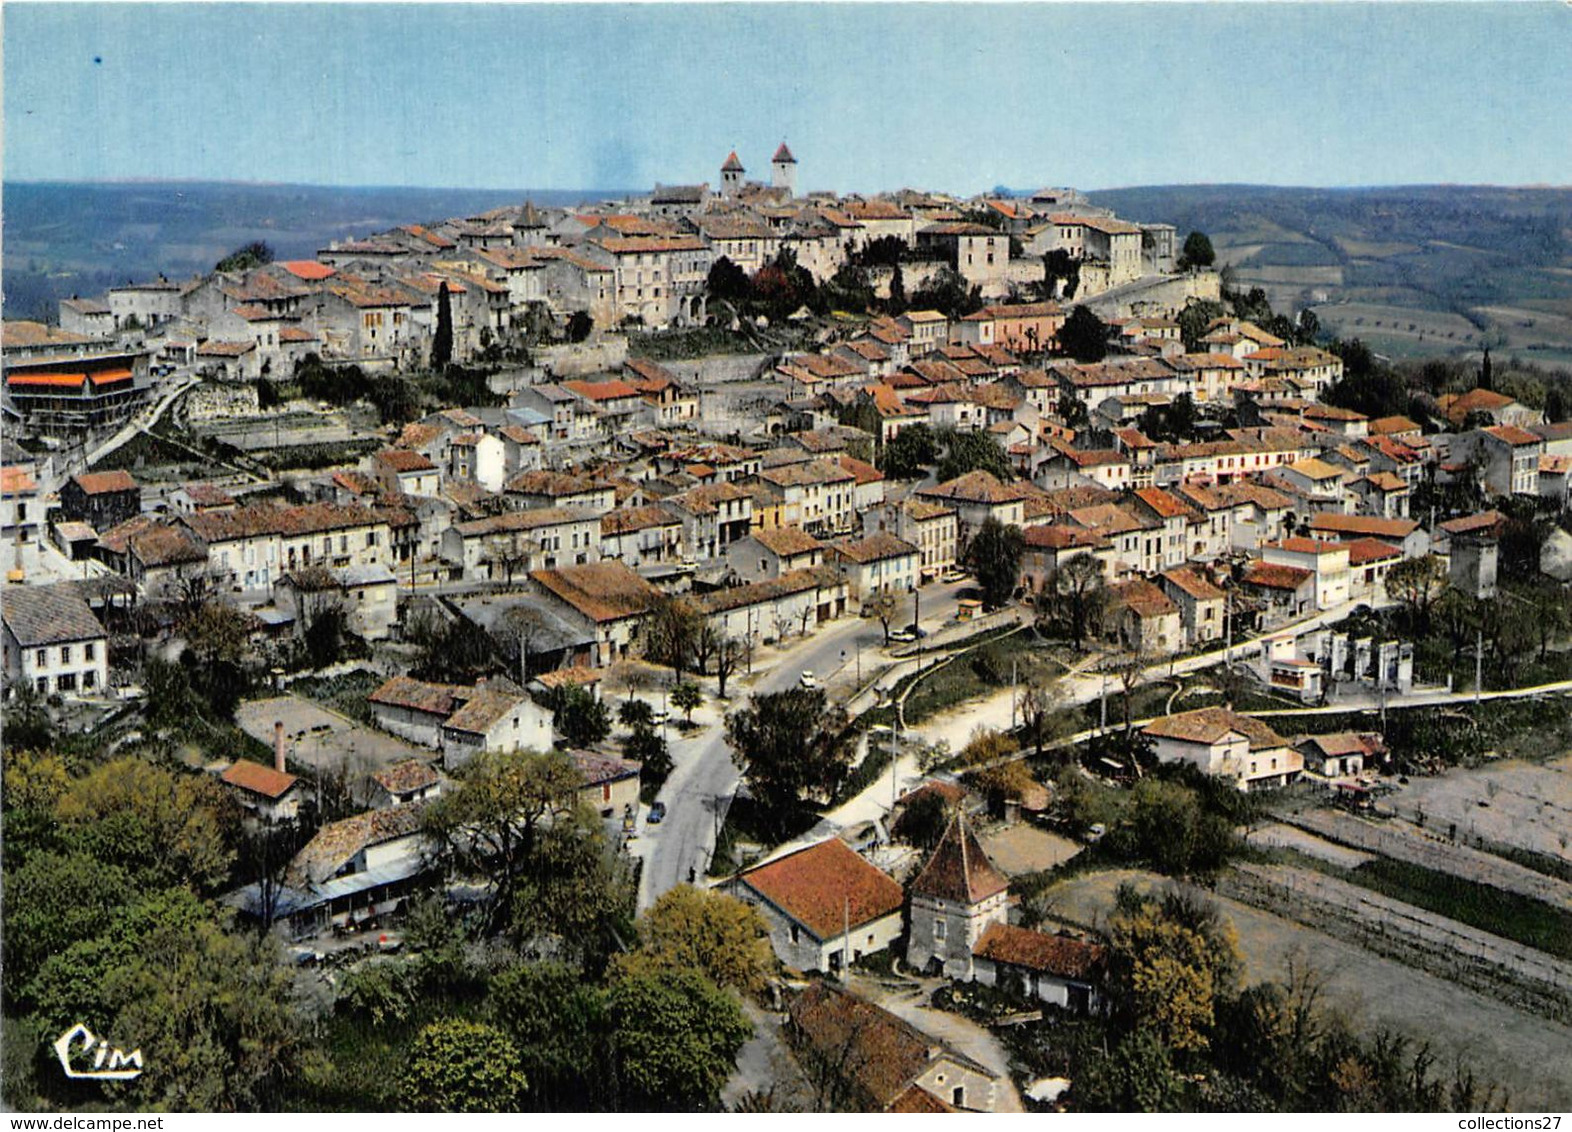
(869,97)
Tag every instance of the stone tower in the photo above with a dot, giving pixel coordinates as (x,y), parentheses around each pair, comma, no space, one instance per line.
(731,175)
(954,899)
(783,167)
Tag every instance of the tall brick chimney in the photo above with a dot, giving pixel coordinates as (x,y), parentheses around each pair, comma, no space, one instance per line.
(278,746)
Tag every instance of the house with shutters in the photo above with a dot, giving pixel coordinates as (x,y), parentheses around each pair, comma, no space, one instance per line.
(100,499)
(1054,969)
(1228,745)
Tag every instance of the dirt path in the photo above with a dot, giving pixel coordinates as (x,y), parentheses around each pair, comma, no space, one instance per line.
(1526,1054)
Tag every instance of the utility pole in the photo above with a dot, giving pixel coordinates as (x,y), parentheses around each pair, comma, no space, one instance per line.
(845,939)
(1013,723)
(1479,663)
(1102,724)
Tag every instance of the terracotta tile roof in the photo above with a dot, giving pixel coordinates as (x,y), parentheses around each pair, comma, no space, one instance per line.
(1511,434)
(48,615)
(1037,951)
(1274,577)
(308,269)
(875,548)
(15,480)
(254,778)
(404,777)
(404,460)
(1059,536)
(915,1098)
(959,870)
(1163,505)
(481,709)
(613,390)
(1296,544)
(825,886)
(554,485)
(596,768)
(101,483)
(1333,523)
(787,541)
(973,487)
(576,674)
(164,545)
(626,519)
(1363,551)
(733,164)
(1141,597)
(1482,520)
(1194,583)
(882,1054)
(417,695)
(861,470)
(1212,725)
(529,519)
(602,591)
(335,845)
(215,349)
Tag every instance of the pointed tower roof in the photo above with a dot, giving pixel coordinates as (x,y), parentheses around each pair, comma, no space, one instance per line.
(733,165)
(959,870)
(531,217)
(783,156)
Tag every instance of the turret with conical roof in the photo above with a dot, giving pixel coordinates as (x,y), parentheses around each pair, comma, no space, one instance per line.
(783,167)
(954,899)
(731,175)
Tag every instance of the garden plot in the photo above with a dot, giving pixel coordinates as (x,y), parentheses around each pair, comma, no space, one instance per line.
(1287,837)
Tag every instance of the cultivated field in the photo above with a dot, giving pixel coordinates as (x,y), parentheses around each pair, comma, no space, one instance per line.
(1522,804)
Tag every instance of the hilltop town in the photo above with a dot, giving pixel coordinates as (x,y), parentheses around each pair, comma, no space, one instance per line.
(776,650)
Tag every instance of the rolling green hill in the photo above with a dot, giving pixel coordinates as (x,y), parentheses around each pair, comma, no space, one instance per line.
(1413,270)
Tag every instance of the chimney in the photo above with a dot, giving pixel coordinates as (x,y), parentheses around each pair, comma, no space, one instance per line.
(278,746)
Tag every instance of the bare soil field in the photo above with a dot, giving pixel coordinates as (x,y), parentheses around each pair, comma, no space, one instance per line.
(1287,837)
(1025,848)
(1523,804)
(1525,1053)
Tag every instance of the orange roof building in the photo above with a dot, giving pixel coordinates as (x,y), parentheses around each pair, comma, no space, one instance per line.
(956,897)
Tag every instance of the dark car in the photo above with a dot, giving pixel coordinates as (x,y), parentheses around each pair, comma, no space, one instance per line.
(657,813)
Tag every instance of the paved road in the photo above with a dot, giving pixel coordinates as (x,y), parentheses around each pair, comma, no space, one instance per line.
(143,420)
(705,778)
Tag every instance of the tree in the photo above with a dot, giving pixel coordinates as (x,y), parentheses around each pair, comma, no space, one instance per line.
(54,900)
(886,607)
(1083,586)
(580,324)
(728,283)
(1195,321)
(672,632)
(326,628)
(729,653)
(1084,336)
(254,254)
(210,1010)
(1486,373)
(675,1038)
(1556,405)
(720,937)
(1169,967)
(581,718)
(788,746)
(1138,1076)
(166,828)
(896,304)
(994,557)
(635,713)
(686,697)
(461,1066)
(1060,267)
(442,340)
(1417,583)
(972,452)
(1037,706)
(1197,252)
(910,453)
(646,747)
(946,291)
(560,1027)
(493,823)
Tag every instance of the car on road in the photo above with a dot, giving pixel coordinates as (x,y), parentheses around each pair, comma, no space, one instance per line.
(915,631)
(903,635)
(657,813)
(808,679)
(951,576)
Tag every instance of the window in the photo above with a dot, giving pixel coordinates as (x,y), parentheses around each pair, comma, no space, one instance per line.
(938,929)
(65,654)
(795,934)
(958,1096)
(42,660)
(89,651)
(67,682)
(89,680)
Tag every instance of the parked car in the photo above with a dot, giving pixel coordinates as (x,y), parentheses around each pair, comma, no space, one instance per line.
(916,631)
(808,679)
(657,813)
(903,635)
(952,575)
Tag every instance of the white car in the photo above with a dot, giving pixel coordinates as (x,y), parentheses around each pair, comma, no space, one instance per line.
(808,679)
(902,636)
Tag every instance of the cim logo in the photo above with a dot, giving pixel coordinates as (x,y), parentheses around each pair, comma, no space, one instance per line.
(108,1063)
